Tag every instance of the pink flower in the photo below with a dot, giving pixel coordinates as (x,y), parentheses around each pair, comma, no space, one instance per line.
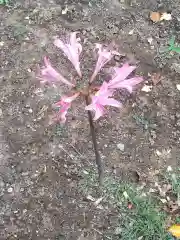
(102,98)
(64,104)
(50,75)
(105,55)
(72,50)
(119,79)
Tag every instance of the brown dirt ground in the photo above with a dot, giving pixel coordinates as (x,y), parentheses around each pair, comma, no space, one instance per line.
(40,166)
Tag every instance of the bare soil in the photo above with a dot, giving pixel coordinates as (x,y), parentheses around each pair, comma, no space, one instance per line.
(41,165)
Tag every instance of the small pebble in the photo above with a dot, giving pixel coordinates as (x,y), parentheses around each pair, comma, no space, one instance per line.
(169,169)
(10,190)
(131,32)
(178,86)
(120,146)
(150,40)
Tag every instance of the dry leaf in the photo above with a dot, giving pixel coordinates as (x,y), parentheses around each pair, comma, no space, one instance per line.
(155,16)
(156,78)
(175,230)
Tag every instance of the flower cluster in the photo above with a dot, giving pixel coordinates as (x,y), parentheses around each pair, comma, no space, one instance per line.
(104,94)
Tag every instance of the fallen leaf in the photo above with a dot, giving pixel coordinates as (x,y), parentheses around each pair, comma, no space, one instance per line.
(155,16)
(166,16)
(175,230)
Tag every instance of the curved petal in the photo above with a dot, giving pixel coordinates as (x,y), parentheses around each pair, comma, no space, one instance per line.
(110,102)
(101,99)
(97,109)
(127,84)
(99,112)
(121,73)
(104,90)
(72,50)
(90,107)
(50,75)
(105,55)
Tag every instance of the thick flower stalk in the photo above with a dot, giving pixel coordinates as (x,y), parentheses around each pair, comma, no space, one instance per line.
(96,98)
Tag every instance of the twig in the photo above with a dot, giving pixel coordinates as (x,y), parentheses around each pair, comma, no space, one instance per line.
(97,155)
(96,230)
(61,147)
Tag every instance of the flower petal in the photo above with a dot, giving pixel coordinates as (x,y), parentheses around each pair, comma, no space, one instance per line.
(61,114)
(72,50)
(64,104)
(50,75)
(110,102)
(90,107)
(99,112)
(121,73)
(105,55)
(104,90)
(101,99)
(127,84)
(98,109)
